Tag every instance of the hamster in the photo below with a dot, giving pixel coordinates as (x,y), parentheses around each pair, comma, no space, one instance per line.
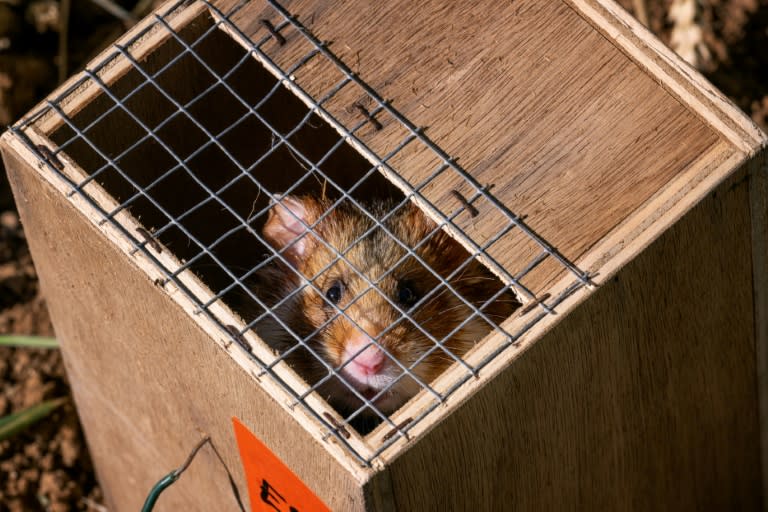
(346,347)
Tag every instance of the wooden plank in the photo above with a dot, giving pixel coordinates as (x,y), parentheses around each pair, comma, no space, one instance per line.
(758,200)
(132,355)
(653,376)
(531,99)
(677,76)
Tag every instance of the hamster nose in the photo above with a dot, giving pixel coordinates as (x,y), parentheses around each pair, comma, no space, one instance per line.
(366,363)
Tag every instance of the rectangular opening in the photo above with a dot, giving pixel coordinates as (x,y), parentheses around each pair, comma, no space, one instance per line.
(332,265)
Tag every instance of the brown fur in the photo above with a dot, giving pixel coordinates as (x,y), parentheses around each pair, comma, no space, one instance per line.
(307,310)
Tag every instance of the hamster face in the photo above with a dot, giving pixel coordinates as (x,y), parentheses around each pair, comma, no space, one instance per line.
(377,350)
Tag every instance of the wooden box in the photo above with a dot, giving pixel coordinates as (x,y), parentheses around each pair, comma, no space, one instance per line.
(624,195)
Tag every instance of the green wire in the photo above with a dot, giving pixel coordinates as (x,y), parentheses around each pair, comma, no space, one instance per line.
(171,477)
(174,475)
(159,487)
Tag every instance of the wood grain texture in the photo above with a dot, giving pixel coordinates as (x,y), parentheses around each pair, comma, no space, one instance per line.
(758,201)
(149,382)
(674,74)
(642,398)
(528,96)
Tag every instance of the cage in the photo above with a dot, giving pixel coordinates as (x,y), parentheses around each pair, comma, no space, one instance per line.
(443,256)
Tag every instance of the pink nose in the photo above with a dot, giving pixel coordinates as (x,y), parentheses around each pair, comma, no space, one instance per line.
(368,362)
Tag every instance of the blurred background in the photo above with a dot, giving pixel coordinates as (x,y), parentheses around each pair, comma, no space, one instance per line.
(42,42)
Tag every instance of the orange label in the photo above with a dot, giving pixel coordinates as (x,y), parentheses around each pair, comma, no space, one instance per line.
(271,485)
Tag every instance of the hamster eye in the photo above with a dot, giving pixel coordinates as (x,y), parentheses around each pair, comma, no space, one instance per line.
(406,294)
(333,293)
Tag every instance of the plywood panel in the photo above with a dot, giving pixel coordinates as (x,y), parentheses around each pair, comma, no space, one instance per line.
(681,79)
(644,397)
(147,380)
(527,95)
(758,196)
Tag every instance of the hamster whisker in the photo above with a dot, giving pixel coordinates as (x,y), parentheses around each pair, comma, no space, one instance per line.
(474,278)
(457,306)
(431,300)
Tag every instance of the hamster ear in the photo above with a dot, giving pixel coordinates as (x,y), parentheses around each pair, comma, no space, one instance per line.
(418,221)
(284,226)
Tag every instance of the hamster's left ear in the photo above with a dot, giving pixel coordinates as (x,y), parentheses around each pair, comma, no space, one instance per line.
(286,228)
(417,220)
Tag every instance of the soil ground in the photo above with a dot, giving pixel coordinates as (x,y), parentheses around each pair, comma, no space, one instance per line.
(48,467)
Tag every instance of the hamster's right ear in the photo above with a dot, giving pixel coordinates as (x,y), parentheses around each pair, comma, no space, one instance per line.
(285,228)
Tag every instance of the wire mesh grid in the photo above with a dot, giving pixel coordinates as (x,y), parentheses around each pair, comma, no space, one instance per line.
(159,170)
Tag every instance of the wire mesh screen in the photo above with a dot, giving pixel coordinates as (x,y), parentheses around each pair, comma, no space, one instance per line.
(228,153)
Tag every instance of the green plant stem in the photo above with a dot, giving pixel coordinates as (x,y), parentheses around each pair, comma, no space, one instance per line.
(17,422)
(28,341)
